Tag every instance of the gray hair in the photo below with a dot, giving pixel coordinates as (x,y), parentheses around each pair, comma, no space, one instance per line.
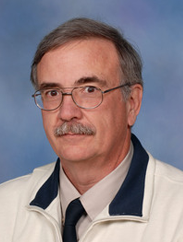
(84,28)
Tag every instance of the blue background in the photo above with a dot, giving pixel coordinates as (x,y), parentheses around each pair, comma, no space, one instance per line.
(154,27)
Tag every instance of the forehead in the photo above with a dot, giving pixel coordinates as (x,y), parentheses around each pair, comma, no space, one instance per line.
(78,59)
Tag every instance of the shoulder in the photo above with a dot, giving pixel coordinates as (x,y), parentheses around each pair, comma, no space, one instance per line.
(166,175)
(26,185)
(169,172)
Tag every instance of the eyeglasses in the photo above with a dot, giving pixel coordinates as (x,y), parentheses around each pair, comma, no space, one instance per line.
(86,97)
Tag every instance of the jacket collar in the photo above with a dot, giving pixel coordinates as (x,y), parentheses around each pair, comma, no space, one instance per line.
(129,199)
(49,190)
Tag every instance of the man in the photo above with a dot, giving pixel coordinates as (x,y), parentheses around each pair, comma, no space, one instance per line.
(89,87)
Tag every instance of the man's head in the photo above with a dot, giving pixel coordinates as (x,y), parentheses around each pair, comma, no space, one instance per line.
(83,28)
(85,53)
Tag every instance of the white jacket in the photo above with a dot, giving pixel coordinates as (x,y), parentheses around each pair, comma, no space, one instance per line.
(147,208)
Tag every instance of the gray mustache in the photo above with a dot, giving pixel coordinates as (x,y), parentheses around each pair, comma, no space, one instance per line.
(75,128)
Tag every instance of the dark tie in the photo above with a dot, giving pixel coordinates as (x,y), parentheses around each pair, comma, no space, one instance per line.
(73,213)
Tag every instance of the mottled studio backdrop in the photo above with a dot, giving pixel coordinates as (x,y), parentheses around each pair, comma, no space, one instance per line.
(155,27)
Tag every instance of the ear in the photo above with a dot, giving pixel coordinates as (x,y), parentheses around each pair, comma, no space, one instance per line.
(134,103)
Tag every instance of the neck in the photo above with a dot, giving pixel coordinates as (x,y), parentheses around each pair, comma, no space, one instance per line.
(86,173)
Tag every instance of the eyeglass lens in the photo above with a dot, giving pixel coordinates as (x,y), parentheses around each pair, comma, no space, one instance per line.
(84,97)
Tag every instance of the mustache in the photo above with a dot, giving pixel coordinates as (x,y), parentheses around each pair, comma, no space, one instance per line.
(74,128)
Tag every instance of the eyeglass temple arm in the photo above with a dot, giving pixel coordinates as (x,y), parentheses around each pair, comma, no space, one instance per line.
(114,88)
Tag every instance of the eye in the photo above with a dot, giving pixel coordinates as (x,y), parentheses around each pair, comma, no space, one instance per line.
(90,89)
(51,93)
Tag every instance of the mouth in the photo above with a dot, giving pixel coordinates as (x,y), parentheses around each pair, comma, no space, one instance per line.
(74,129)
(72,134)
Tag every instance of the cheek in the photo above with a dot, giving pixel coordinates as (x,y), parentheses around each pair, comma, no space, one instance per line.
(110,121)
(118,119)
(48,123)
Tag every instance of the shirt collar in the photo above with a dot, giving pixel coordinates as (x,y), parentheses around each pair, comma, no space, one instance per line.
(101,193)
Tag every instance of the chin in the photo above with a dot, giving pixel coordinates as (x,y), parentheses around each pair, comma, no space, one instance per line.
(73,153)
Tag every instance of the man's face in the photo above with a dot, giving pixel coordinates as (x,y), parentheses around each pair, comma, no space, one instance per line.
(91,62)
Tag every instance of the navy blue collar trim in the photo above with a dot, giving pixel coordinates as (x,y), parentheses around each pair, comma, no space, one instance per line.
(129,199)
(49,190)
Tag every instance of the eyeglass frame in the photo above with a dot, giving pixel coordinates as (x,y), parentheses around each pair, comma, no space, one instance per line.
(70,93)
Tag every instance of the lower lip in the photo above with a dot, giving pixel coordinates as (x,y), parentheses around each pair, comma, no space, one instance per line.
(74,138)
(75,135)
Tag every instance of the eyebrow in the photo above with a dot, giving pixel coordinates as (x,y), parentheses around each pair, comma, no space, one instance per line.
(92,79)
(46,85)
(81,81)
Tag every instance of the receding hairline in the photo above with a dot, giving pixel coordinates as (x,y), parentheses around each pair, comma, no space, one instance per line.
(74,42)
(83,29)
(101,45)
(79,40)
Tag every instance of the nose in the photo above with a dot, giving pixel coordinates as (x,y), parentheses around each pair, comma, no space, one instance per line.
(68,109)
